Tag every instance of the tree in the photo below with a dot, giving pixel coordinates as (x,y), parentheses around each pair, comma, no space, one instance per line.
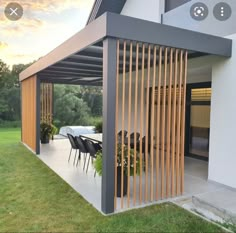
(4,71)
(69,108)
(10,91)
(93,97)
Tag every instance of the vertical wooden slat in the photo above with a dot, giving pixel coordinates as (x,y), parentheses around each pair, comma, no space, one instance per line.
(178,122)
(173,135)
(42,102)
(135,119)
(123,122)
(50,101)
(117,118)
(28,88)
(147,123)
(141,124)
(45,103)
(152,120)
(183,120)
(51,110)
(158,122)
(169,124)
(129,119)
(163,126)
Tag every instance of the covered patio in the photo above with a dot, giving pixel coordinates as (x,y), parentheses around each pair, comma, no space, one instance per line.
(55,156)
(142,67)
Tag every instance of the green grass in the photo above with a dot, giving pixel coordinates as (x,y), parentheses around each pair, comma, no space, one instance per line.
(9,136)
(34,199)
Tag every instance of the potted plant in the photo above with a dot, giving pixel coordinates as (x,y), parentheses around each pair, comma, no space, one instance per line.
(98,167)
(46,132)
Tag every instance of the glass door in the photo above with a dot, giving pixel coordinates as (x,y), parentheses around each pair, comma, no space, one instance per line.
(198,121)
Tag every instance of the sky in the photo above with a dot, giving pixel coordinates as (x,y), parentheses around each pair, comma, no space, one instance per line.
(45,25)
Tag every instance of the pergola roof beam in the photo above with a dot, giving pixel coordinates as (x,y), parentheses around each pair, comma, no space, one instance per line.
(72,73)
(83,47)
(52,68)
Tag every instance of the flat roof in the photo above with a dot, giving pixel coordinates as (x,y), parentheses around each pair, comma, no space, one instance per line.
(79,60)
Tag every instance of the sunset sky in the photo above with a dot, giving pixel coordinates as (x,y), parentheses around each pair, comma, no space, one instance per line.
(44,25)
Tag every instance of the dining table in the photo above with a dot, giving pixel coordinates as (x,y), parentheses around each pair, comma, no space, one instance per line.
(96,137)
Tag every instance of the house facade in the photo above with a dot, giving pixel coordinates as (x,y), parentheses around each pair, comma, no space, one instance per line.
(207,71)
(166,75)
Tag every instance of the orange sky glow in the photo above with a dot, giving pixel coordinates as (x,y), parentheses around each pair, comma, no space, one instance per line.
(44,25)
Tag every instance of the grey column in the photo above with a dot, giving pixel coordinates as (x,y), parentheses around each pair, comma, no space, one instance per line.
(38,92)
(109,109)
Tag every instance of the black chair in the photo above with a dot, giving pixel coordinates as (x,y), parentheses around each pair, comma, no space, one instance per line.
(132,135)
(73,146)
(120,135)
(144,146)
(92,149)
(82,149)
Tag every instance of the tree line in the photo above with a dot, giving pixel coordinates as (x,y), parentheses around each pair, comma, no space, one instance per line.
(73,105)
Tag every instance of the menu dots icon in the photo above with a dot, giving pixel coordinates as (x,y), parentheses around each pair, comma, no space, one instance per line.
(222,11)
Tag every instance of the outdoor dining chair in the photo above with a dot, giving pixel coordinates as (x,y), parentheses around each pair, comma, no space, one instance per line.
(92,149)
(120,135)
(82,149)
(132,137)
(73,146)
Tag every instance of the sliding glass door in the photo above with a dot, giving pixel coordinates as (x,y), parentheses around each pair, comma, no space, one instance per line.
(198,120)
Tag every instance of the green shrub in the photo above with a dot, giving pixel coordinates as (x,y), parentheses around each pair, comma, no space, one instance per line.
(98,163)
(98,127)
(10,124)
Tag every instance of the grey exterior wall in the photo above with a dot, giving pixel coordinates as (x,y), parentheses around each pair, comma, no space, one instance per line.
(180,17)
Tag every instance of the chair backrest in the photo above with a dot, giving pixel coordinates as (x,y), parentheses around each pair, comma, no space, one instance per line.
(91,148)
(137,136)
(81,144)
(72,141)
(120,133)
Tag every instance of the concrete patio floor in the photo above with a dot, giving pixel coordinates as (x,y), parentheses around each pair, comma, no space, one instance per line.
(55,155)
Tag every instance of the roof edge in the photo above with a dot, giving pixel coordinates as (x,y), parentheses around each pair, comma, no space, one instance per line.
(85,37)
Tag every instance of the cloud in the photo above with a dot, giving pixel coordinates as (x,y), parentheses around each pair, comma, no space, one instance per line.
(41,28)
(51,5)
(26,25)
(3,45)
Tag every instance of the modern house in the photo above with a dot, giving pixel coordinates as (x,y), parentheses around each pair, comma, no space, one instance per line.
(167,69)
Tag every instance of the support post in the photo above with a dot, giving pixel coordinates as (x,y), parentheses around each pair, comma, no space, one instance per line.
(109,109)
(38,92)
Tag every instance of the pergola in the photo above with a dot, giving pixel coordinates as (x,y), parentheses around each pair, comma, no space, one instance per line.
(109,51)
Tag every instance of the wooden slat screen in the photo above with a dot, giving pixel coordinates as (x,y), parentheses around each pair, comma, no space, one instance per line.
(28,102)
(150,106)
(46,102)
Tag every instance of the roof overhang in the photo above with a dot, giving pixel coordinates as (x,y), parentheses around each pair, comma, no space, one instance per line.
(102,6)
(79,60)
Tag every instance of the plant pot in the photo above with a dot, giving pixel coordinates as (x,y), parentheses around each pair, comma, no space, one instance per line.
(125,181)
(45,140)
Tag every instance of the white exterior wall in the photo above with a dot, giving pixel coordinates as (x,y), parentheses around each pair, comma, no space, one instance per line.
(132,104)
(144,9)
(222,158)
(198,72)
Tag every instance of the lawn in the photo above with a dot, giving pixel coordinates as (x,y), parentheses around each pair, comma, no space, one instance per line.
(34,199)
